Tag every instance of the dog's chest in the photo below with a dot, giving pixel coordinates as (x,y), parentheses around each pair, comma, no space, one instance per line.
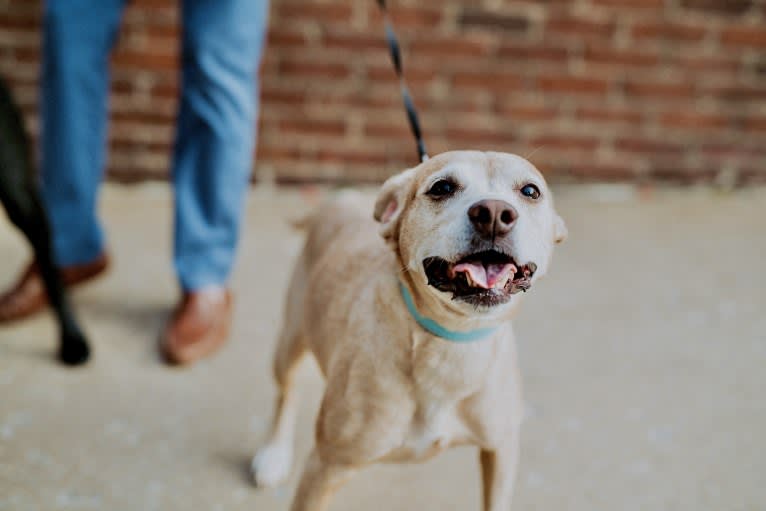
(442,379)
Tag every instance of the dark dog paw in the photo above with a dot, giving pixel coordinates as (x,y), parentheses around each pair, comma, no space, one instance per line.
(74,353)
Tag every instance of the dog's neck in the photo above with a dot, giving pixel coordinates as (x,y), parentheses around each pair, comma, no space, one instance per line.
(444,321)
(435,328)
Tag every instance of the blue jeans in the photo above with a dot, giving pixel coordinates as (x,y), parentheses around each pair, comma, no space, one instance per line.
(221,51)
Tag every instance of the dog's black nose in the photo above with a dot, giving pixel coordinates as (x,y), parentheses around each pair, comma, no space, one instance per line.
(492,218)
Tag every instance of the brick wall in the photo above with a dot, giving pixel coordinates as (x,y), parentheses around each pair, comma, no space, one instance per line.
(622,90)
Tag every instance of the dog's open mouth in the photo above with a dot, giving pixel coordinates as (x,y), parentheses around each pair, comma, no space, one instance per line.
(484,278)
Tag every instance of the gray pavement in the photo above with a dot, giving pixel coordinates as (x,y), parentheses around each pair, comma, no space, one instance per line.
(644,356)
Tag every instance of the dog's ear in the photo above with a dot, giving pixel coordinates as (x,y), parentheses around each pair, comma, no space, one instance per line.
(560,231)
(391,201)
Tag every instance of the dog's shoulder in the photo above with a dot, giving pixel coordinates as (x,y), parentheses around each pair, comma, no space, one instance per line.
(343,221)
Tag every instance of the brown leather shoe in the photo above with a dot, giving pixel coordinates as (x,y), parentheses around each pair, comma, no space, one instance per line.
(198,327)
(28,295)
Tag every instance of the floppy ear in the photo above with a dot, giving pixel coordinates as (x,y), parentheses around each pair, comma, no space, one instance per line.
(560,231)
(391,201)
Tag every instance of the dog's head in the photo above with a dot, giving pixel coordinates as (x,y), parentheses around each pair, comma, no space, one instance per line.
(472,228)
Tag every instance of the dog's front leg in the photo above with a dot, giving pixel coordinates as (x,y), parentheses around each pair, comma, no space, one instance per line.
(498,474)
(319,482)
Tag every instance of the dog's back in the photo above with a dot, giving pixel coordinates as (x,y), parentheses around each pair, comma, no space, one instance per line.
(346,214)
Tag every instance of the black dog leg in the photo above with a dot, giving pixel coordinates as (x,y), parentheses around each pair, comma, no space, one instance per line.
(20,196)
(73,347)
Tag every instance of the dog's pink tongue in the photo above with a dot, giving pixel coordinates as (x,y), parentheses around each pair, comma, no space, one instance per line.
(485,276)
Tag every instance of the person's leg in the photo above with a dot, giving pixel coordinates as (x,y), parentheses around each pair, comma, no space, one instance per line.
(221,52)
(78,35)
(76,41)
(222,46)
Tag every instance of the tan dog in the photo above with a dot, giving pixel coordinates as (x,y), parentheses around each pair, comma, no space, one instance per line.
(466,232)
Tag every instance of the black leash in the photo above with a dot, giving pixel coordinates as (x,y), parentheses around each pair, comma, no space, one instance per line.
(409,105)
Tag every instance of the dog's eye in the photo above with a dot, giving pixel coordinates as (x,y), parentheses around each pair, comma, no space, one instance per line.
(442,188)
(531,191)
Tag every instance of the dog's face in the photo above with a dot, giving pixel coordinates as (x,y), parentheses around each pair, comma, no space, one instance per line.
(475,228)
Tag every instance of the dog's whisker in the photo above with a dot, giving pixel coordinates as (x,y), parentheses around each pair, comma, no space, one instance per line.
(528,156)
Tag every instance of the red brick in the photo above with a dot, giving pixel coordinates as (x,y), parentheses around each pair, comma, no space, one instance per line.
(118,144)
(565,142)
(744,36)
(305,70)
(349,155)
(280,95)
(603,114)
(166,89)
(27,54)
(659,90)
(161,30)
(603,56)
(723,63)
(354,41)
(736,93)
(152,4)
(534,52)
(478,137)
(645,145)
(490,20)
(411,16)
(144,60)
(693,121)
(386,129)
(637,4)
(312,127)
(449,47)
(677,173)
(413,75)
(286,38)
(316,12)
(598,171)
(155,117)
(757,124)
(728,150)
(730,7)
(278,153)
(527,112)
(572,85)
(21,20)
(580,27)
(652,30)
(492,80)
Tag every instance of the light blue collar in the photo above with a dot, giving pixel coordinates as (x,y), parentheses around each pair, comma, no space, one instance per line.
(435,328)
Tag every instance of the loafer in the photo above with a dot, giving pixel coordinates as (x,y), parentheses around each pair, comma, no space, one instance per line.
(198,327)
(28,295)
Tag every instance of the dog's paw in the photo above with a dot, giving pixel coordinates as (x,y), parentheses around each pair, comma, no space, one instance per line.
(74,353)
(271,465)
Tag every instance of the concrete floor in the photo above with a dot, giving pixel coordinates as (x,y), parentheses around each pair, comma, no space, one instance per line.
(644,354)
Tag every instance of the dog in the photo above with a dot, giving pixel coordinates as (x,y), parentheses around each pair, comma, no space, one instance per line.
(411,325)
(20,196)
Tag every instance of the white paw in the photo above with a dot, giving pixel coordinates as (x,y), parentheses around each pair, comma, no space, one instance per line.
(271,465)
